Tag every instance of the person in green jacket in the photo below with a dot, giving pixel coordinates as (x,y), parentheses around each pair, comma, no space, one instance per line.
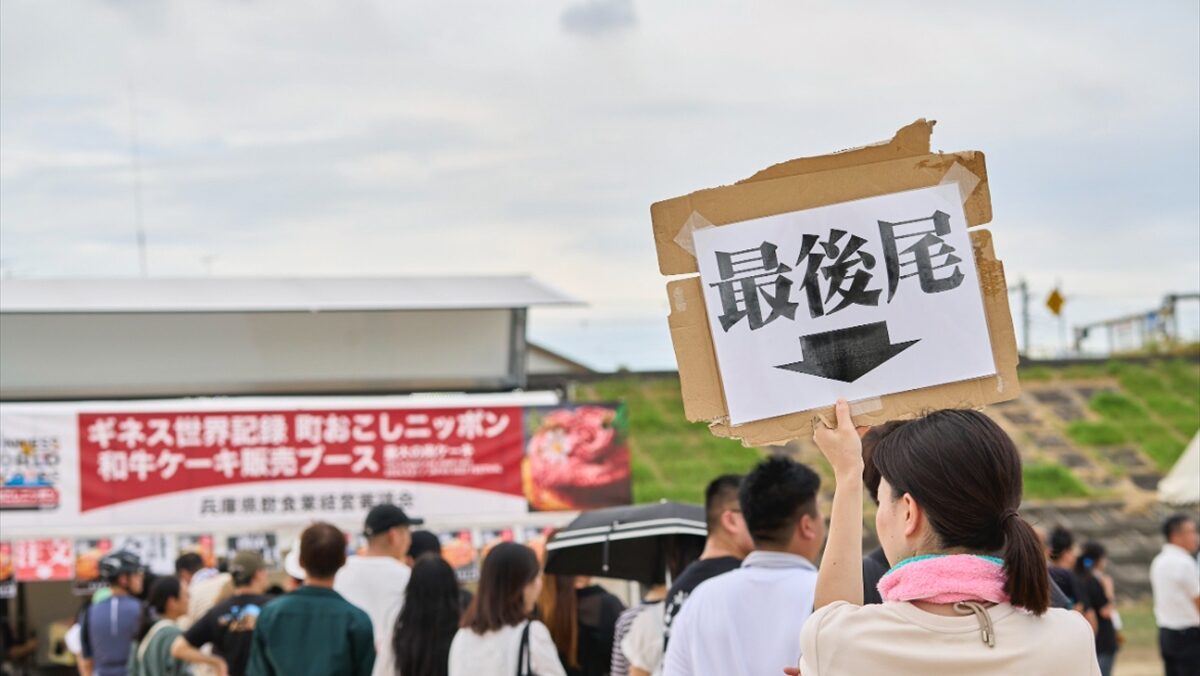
(313,630)
(151,656)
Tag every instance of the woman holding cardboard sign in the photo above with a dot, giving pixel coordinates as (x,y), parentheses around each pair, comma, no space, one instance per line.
(970,592)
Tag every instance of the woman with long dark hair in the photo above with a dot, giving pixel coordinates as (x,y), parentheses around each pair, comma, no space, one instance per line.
(969,591)
(498,636)
(1098,591)
(428,619)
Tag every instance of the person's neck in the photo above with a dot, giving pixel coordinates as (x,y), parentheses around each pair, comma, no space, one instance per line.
(790,548)
(243,591)
(382,553)
(119,591)
(321,582)
(718,547)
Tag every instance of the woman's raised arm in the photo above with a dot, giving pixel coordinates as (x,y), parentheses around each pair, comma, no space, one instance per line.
(840,577)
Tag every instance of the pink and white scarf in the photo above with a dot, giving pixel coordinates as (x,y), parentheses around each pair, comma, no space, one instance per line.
(945,579)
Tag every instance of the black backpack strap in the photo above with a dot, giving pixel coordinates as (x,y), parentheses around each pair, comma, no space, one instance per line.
(524,666)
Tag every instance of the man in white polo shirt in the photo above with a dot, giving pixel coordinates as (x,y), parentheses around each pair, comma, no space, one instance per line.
(376,580)
(1175,579)
(747,622)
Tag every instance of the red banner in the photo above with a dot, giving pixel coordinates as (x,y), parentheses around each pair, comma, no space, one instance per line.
(126,456)
(42,560)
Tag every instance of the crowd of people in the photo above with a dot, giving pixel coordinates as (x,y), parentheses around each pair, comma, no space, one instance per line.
(961,583)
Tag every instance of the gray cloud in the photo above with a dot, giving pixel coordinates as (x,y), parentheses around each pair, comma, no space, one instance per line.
(599,17)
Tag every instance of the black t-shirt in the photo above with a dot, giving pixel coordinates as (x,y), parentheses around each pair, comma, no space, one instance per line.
(1106,633)
(229,626)
(691,578)
(598,613)
(1070,585)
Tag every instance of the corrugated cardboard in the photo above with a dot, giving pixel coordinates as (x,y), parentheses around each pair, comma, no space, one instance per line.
(904,163)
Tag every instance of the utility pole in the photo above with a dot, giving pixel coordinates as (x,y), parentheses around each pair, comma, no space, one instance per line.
(1025,316)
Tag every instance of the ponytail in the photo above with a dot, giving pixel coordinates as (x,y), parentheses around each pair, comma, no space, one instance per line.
(1091,554)
(1027,578)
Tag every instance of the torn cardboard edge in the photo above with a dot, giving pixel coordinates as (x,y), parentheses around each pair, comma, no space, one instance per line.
(904,163)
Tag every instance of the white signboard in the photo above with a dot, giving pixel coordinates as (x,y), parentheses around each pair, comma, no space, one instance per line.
(852,300)
(157,552)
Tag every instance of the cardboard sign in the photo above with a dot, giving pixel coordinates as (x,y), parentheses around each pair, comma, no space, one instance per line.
(852,300)
(888,298)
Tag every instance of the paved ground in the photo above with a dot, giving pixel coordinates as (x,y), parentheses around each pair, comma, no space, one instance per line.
(1139,655)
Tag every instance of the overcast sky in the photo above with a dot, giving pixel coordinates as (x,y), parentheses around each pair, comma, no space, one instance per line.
(400,138)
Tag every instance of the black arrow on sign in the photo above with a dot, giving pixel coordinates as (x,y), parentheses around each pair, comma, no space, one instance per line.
(846,354)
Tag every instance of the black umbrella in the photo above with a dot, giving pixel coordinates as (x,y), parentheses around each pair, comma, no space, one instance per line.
(628,543)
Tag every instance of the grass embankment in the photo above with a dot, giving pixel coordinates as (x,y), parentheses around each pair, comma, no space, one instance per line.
(1157,409)
(1046,481)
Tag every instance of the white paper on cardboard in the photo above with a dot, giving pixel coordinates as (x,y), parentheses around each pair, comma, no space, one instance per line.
(852,300)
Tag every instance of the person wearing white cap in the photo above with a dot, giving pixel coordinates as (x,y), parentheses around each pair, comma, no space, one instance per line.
(375,581)
(291,566)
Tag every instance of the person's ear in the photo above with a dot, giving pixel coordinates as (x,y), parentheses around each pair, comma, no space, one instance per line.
(807,527)
(729,520)
(913,515)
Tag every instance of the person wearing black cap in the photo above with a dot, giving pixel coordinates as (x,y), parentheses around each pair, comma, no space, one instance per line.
(375,581)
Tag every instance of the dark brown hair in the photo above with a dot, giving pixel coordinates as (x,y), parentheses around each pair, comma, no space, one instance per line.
(189,562)
(322,550)
(500,601)
(559,609)
(965,473)
(869,441)
(163,590)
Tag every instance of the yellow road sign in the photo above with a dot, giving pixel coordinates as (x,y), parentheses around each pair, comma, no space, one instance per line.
(1055,302)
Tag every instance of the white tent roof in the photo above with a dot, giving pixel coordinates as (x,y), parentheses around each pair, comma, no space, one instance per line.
(1182,485)
(311,294)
